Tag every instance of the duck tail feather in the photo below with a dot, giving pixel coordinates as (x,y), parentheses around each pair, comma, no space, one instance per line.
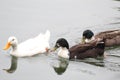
(47,35)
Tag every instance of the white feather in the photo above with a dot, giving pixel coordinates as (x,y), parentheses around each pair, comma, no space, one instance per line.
(63,52)
(33,46)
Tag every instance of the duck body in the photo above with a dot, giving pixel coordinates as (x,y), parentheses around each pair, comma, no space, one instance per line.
(88,51)
(111,37)
(81,51)
(30,47)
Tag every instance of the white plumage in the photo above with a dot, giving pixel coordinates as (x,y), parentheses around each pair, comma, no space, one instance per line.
(63,52)
(30,47)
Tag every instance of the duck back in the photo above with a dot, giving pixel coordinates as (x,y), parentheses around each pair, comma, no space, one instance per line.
(89,50)
(111,37)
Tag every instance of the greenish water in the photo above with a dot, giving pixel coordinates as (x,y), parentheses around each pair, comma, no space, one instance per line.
(64,18)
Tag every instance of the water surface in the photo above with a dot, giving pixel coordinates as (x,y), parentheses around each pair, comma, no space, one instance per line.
(64,18)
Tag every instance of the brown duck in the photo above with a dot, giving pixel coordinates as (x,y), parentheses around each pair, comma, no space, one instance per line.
(111,37)
(79,51)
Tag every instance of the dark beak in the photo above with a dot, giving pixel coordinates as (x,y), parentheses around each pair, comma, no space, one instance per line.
(54,48)
(83,39)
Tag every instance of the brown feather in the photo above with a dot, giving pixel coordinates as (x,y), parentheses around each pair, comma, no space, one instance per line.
(88,50)
(111,37)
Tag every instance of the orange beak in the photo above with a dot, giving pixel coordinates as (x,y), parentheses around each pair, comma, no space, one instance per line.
(7,46)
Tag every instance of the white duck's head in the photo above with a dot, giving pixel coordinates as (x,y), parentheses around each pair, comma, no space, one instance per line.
(12,41)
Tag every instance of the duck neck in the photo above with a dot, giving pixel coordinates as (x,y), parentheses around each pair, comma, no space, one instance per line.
(89,40)
(64,52)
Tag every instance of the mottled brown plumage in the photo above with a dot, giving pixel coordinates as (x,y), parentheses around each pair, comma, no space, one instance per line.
(111,37)
(88,50)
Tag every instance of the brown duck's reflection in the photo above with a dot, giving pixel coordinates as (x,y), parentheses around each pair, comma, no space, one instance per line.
(117,0)
(60,66)
(97,62)
(13,66)
(94,61)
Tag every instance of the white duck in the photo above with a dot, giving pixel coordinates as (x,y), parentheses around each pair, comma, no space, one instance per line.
(30,47)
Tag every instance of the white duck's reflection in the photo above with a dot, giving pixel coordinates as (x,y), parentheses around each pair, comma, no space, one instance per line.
(60,65)
(13,66)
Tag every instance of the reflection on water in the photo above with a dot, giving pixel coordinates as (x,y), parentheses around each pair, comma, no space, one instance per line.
(117,0)
(60,65)
(94,61)
(13,66)
(112,62)
(64,18)
(103,62)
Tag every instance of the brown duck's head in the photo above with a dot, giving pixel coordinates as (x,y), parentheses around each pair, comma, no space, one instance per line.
(61,43)
(87,34)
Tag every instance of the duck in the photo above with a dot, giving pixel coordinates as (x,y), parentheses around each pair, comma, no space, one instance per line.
(79,51)
(111,37)
(30,47)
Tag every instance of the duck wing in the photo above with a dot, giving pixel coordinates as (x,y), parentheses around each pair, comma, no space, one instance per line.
(88,50)
(108,34)
(111,38)
(82,47)
(37,43)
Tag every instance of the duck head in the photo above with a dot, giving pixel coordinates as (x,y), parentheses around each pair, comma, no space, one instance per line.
(64,48)
(61,43)
(12,41)
(87,36)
